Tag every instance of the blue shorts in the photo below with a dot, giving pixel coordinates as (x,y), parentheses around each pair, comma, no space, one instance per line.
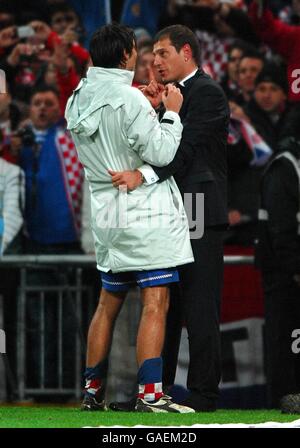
(123,281)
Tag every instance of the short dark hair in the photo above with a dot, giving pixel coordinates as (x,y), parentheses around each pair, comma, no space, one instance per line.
(244,47)
(43,89)
(108,44)
(252,53)
(179,36)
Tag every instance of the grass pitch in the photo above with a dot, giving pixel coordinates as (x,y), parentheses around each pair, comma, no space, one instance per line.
(72,417)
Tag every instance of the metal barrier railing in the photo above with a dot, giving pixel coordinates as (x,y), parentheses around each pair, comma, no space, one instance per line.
(75,263)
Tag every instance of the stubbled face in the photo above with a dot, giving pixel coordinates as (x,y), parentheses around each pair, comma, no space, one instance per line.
(249,68)
(270,97)
(233,64)
(44,110)
(168,63)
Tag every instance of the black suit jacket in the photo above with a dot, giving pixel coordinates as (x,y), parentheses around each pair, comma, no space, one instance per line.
(200,164)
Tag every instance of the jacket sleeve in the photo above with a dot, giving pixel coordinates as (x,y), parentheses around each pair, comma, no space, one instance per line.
(155,142)
(280,36)
(205,119)
(13,198)
(281,199)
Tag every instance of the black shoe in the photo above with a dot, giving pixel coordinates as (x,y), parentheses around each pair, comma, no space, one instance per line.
(126,406)
(290,404)
(90,403)
(199,404)
(164,404)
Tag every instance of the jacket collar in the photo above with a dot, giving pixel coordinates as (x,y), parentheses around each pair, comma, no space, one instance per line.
(96,74)
(189,82)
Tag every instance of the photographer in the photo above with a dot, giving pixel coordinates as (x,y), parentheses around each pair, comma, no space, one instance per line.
(53,177)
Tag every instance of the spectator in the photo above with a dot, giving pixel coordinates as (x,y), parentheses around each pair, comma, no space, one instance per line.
(144,66)
(278,255)
(7,14)
(62,18)
(229,82)
(53,178)
(250,65)
(10,116)
(268,108)
(282,38)
(266,112)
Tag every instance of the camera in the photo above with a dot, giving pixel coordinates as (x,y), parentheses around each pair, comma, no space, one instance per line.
(27,136)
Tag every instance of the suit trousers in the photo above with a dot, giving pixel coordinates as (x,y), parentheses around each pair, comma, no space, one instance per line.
(196,302)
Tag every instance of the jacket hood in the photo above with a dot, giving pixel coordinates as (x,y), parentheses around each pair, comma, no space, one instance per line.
(91,94)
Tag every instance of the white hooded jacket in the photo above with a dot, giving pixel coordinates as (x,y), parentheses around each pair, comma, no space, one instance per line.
(114,127)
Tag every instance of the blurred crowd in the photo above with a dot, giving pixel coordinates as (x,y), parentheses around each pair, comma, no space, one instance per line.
(43,55)
(252,51)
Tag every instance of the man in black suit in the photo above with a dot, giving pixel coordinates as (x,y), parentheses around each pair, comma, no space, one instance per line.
(198,167)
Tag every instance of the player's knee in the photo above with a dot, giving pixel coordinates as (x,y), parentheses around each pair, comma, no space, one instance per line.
(156,308)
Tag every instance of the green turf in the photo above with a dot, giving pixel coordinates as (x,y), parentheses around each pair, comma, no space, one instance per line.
(68,417)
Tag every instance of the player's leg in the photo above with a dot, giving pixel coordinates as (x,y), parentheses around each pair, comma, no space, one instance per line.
(150,340)
(99,342)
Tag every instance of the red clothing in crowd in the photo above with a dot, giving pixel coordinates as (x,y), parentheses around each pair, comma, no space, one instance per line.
(80,53)
(282,38)
(66,84)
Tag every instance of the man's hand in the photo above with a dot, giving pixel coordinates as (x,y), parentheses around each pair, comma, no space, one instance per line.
(234,217)
(130,179)
(153,92)
(42,30)
(238,112)
(18,51)
(172,98)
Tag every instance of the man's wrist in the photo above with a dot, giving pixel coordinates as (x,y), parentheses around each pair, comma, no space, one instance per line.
(142,179)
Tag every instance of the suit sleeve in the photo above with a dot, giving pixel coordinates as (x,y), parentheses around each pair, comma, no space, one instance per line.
(205,118)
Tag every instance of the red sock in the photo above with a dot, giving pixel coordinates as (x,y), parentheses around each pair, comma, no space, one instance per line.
(92,386)
(150,392)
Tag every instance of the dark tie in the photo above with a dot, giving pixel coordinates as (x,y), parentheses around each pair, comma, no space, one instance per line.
(180,87)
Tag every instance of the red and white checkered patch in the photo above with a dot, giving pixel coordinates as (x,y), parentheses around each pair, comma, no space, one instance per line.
(150,392)
(214,53)
(73,173)
(92,386)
